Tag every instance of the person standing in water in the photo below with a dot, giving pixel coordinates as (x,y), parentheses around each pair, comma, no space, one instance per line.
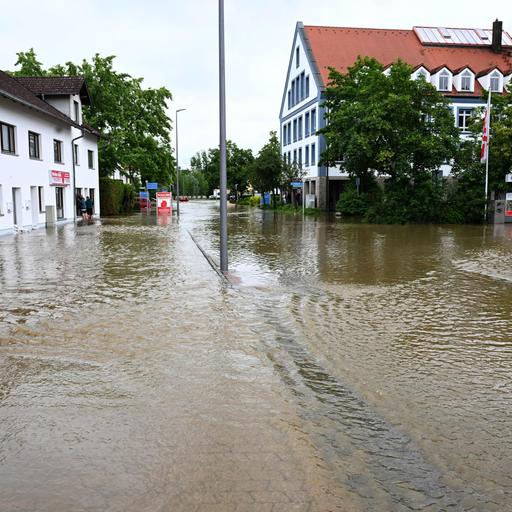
(89,204)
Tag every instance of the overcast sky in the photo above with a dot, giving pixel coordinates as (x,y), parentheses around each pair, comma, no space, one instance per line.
(174,43)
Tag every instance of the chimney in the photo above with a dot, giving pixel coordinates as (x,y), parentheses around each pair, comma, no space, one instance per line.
(497,29)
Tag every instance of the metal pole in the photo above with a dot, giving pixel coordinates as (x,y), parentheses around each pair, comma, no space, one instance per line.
(178,166)
(488,129)
(74,172)
(223,163)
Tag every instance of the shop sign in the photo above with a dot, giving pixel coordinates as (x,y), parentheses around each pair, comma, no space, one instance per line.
(163,203)
(508,204)
(59,178)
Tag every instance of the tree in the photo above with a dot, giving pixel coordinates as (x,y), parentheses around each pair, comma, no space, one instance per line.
(387,124)
(238,162)
(269,166)
(133,120)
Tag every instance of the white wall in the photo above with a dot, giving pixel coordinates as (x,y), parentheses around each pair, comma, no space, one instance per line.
(21,171)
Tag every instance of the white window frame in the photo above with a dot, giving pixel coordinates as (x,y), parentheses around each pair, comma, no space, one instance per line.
(467,75)
(444,73)
(496,75)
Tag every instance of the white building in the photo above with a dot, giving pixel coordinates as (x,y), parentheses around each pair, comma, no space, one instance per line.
(40,126)
(461,63)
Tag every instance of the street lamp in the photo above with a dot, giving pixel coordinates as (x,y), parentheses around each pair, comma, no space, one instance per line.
(223,163)
(178,166)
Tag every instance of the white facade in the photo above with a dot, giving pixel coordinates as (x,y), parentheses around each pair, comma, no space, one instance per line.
(26,186)
(302,114)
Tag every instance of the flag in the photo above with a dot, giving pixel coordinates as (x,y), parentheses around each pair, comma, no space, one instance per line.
(484,154)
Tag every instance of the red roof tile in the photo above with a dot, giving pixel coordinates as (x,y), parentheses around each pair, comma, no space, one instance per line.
(339,48)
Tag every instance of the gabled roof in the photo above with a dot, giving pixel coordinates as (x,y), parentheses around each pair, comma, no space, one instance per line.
(339,47)
(12,89)
(57,86)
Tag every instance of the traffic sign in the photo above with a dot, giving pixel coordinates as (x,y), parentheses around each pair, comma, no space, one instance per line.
(151,186)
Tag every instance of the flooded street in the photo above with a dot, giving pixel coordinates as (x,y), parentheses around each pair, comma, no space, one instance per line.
(347,367)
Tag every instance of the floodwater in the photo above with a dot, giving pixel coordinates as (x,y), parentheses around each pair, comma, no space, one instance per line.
(344,367)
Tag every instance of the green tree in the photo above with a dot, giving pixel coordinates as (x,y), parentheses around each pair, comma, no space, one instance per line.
(238,162)
(269,166)
(132,119)
(387,124)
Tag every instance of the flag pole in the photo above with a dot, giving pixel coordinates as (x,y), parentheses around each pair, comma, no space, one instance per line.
(488,130)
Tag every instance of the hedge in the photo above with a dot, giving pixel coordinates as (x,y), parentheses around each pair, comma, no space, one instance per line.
(116,197)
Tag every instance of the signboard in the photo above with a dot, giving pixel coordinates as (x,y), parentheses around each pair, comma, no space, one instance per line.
(151,186)
(508,204)
(296,184)
(59,178)
(163,203)
(508,178)
(144,195)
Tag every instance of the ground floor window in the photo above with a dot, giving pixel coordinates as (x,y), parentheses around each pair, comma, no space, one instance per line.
(313,187)
(1,201)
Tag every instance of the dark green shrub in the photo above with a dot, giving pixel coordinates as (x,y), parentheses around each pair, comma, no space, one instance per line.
(116,197)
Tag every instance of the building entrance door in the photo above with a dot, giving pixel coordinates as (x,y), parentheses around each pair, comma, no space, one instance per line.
(34,205)
(59,202)
(16,207)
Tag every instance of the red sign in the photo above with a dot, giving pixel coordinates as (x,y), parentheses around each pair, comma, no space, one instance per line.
(163,203)
(59,178)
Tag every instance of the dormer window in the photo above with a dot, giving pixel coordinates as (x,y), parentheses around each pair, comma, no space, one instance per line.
(421,73)
(495,82)
(465,81)
(444,81)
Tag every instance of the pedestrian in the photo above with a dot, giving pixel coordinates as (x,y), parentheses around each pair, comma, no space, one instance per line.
(78,203)
(83,208)
(89,203)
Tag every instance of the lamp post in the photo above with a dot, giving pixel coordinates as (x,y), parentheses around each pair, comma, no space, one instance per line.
(178,166)
(223,163)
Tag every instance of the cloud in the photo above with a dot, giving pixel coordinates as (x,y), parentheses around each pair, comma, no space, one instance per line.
(174,44)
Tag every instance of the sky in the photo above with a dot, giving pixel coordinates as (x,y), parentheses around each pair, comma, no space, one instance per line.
(175,44)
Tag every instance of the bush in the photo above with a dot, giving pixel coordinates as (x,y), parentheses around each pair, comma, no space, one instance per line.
(352,204)
(116,197)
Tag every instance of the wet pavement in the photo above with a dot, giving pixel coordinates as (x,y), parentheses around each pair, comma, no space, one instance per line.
(349,367)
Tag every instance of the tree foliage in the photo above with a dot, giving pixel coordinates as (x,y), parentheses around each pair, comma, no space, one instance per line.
(132,119)
(384,123)
(238,162)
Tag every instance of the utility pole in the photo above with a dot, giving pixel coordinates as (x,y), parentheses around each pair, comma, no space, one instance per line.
(177,166)
(223,163)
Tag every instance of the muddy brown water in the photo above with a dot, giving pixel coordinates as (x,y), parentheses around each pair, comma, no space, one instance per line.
(378,357)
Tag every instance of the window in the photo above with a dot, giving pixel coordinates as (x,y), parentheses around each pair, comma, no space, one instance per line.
(76,107)
(313,121)
(295,130)
(1,201)
(289,132)
(307,87)
(302,85)
(297,57)
(293,92)
(421,74)
(495,82)
(285,135)
(90,158)
(306,124)
(289,157)
(40,195)
(465,81)
(306,156)
(7,136)
(294,156)
(289,99)
(444,81)
(313,184)
(300,128)
(463,117)
(76,154)
(300,156)
(57,151)
(34,145)
(313,154)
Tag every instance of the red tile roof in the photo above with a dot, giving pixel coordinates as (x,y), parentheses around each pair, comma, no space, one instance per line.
(339,48)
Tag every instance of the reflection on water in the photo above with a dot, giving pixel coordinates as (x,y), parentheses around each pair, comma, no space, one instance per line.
(392,346)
